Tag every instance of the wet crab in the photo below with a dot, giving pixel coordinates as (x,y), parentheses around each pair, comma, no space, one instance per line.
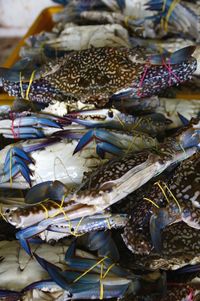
(107,185)
(61,157)
(142,231)
(98,75)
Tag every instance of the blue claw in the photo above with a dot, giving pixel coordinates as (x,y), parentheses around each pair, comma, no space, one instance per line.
(176,57)
(77,263)
(85,264)
(50,284)
(86,139)
(85,287)
(14,164)
(17,166)
(70,253)
(63,278)
(53,190)
(183,119)
(16,161)
(106,140)
(182,54)
(14,171)
(38,122)
(105,147)
(18,152)
(24,235)
(103,242)
(157,223)
(55,273)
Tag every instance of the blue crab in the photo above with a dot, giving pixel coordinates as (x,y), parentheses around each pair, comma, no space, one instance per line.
(61,157)
(80,275)
(98,75)
(184,190)
(30,125)
(107,185)
(142,232)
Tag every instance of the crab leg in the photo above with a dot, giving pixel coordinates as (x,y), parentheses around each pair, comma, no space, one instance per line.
(81,286)
(61,224)
(112,146)
(27,127)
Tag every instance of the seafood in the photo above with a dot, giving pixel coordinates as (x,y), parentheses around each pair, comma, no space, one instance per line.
(176,16)
(98,74)
(184,189)
(84,37)
(141,232)
(24,163)
(103,157)
(28,125)
(21,275)
(76,275)
(109,183)
(55,228)
(170,107)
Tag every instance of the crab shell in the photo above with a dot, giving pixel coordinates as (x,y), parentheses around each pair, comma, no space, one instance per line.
(94,75)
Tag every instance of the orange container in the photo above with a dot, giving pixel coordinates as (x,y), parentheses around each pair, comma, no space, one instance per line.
(44,22)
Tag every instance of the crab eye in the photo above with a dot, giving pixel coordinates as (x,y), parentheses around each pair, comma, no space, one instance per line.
(110,114)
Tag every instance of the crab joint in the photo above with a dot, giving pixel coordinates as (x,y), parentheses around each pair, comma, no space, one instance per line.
(102,276)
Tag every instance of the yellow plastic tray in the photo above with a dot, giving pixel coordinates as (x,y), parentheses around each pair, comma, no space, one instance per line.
(44,22)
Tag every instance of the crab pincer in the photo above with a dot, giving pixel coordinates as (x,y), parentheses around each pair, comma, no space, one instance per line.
(16,162)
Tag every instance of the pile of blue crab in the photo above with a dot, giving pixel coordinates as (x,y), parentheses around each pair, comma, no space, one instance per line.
(99,159)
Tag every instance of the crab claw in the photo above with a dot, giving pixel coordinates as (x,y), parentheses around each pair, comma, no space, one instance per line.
(15,162)
(53,190)
(107,142)
(176,57)
(183,119)
(82,264)
(84,287)
(185,274)
(99,118)
(190,136)
(26,127)
(36,121)
(47,284)
(103,243)
(158,222)
(26,234)
(16,151)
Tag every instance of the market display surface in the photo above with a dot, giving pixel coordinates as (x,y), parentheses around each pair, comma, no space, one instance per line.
(99,159)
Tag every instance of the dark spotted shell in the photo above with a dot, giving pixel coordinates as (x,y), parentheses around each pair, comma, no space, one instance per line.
(185,186)
(94,75)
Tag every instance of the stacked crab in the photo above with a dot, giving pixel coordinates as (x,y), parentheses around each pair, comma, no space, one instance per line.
(99,174)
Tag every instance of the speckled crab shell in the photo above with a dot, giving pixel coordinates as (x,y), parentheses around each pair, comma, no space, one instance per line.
(97,74)
(184,185)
